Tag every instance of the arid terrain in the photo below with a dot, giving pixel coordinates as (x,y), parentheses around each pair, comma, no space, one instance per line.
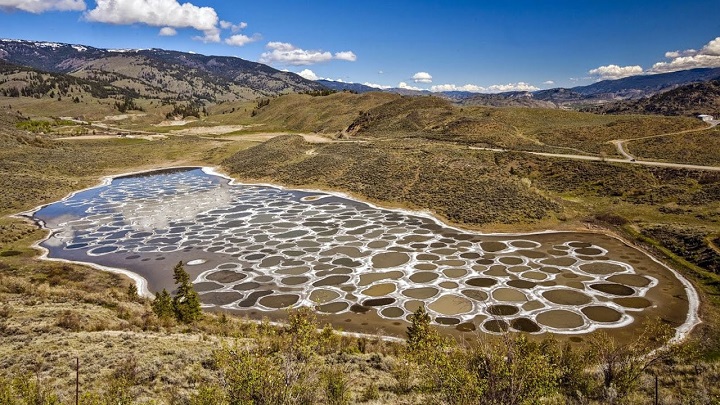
(469,166)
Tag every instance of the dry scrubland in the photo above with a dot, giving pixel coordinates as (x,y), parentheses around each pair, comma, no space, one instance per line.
(379,115)
(51,313)
(701,148)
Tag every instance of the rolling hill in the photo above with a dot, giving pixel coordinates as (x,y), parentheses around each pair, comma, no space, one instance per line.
(382,115)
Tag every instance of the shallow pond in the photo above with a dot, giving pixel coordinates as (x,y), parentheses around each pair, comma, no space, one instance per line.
(260,249)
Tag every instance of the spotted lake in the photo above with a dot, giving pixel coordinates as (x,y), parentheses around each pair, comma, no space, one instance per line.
(260,249)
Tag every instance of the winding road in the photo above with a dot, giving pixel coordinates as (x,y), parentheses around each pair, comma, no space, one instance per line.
(620,143)
(314,138)
(602,159)
(627,157)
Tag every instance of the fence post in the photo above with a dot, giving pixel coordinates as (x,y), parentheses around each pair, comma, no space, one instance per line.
(77,380)
(656,389)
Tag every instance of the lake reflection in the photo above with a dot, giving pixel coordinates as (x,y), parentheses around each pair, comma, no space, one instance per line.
(268,248)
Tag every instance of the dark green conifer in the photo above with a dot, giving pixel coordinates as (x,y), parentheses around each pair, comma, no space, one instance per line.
(162,305)
(186,302)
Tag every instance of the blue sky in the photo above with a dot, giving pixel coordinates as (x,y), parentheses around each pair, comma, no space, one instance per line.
(440,45)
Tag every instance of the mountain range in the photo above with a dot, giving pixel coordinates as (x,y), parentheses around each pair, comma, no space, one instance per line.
(181,76)
(690,99)
(629,88)
(158,73)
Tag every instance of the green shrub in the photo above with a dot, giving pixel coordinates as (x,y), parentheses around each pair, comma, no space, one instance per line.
(404,373)
(514,369)
(209,394)
(336,387)
(8,253)
(370,393)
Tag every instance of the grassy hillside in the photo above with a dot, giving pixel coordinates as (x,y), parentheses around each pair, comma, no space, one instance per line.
(702,148)
(384,115)
(465,186)
(327,114)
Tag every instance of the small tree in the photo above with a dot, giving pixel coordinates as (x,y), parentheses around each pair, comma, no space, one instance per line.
(132,292)
(420,334)
(302,329)
(162,305)
(186,302)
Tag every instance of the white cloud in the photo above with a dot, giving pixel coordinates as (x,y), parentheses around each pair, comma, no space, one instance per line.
(548,82)
(677,54)
(495,88)
(158,13)
(287,54)
(240,39)
(346,55)
(41,6)
(451,87)
(168,32)
(308,74)
(422,77)
(233,27)
(377,86)
(613,72)
(405,86)
(708,56)
(712,48)
(519,86)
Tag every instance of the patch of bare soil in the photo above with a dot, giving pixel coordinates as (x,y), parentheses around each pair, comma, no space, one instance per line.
(262,137)
(216,130)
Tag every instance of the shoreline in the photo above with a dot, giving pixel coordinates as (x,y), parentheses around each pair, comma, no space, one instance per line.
(692,318)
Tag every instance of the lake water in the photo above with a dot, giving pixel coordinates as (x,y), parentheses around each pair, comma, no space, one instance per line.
(260,249)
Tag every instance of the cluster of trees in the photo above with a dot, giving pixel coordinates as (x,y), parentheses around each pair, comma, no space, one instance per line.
(320,93)
(11,92)
(184,306)
(260,104)
(187,110)
(127,104)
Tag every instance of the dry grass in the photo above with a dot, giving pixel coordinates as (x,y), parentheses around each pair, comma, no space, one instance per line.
(328,114)
(465,186)
(52,313)
(700,148)
(380,115)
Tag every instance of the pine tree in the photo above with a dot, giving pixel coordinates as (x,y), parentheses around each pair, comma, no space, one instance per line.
(132,292)
(180,276)
(162,305)
(419,331)
(186,303)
